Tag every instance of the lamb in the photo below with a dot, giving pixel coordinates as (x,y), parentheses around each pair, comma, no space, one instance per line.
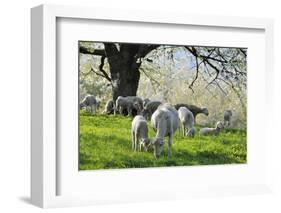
(122,103)
(109,107)
(165,121)
(91,102)
(191,132)
(150,108)
(227,118)
(187,121)
(194,109)
(125,103)
(212,131)
(140,133)
(136,99)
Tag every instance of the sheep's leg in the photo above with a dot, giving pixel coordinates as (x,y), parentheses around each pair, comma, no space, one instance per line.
(186,130)
(140,145)
(136,142)
(94,109)
(129,111)
(179,129)
(115,110)
(120,110)
(170,144)
(133,139)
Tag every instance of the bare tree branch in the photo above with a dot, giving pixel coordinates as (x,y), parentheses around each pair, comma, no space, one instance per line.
(243,52)
(196,75)
(144,49)
(91,51)
(149,77)
(102,70)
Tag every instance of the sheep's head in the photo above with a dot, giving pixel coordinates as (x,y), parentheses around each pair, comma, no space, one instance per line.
(137,107)
(219,125)
(205,111)
(158,146)
(191,132)
(145,143)
(111,103)
(82,105)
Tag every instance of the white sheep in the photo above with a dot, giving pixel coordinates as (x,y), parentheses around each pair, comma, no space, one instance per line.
(109,107)
(122,103)
(137,101)
(212,131)
(191,132)
(140,133)
(91,102)
(165,121)
(129,104)
(187,121)
(194,109)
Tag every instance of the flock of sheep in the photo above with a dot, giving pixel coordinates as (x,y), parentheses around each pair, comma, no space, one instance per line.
(165,120)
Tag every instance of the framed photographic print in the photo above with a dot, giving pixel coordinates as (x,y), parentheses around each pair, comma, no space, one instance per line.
(131,106)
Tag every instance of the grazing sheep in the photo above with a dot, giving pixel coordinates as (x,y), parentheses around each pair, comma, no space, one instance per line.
(212,131)
(187,121)
(91,102)
(150,108)
(145,102)
(140,133)
(191,132)
(227,118)
(122,103)
(136,99)
(128,105)
(165,121)
(194,109)
(109,107)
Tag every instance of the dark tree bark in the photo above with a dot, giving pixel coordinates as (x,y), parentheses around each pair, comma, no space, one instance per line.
(125,77)
(124,69)
(124,63)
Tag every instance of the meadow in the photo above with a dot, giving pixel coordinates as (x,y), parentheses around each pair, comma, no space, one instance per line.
(105,143)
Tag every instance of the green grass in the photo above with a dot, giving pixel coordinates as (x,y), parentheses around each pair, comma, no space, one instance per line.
(105,143)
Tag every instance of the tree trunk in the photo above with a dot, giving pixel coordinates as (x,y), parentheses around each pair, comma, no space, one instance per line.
(124,62)
(125,77)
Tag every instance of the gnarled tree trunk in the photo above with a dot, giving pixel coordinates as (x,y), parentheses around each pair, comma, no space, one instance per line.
(124,62)
(124,70)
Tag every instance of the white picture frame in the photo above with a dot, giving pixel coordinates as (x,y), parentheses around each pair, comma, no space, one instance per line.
(44,154)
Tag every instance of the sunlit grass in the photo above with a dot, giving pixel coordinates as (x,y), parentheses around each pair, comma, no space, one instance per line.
(105,143)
